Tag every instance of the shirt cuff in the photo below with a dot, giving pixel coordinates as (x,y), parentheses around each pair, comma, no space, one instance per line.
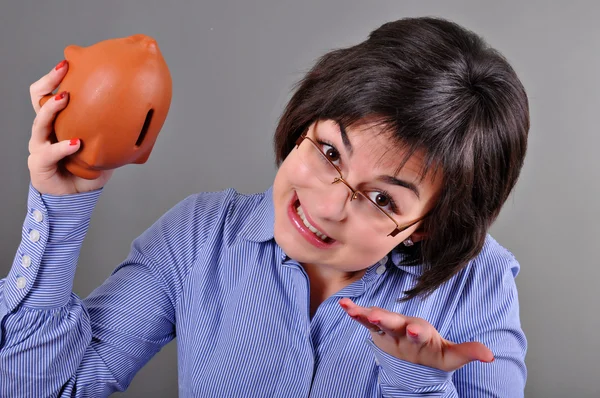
(43,269)
(407,376)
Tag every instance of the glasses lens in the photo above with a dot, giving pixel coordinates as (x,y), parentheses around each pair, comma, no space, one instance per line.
(316,161)
(379,220)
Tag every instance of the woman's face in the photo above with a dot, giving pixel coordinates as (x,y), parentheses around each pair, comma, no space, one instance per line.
(356,237)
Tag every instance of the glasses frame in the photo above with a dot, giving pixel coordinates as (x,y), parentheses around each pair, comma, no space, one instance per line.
(356,192)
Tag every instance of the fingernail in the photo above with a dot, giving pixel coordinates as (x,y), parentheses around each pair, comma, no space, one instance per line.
(74,141)
(411,334)
(61,64)
(60,96)
(375,321)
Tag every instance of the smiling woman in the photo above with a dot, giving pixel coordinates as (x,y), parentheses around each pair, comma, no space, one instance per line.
(437,93)
(366,270)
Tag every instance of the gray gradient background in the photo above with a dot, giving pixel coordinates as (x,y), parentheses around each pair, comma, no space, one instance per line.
(233,65)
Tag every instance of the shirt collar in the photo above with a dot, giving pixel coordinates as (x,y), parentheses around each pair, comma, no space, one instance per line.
(398,259)
(260,225)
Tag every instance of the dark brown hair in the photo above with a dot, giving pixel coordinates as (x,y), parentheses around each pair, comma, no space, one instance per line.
(440,89)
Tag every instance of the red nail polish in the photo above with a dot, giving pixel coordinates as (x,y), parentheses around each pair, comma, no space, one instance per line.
(412,334)
(60,96)
(73,141)
(61,64)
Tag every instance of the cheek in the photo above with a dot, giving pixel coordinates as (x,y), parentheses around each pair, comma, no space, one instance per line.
(365,248)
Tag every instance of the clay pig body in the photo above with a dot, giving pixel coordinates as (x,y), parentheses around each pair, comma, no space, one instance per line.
(119,96)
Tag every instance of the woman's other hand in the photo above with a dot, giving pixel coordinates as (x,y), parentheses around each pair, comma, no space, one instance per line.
(414,339)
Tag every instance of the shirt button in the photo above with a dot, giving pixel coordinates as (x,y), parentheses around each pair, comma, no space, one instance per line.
(38,216)
(21,282)
(26,261)
(34,235)
(384,260)
(380,270)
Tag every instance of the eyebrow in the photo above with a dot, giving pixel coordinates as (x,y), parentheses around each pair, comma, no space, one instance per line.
(385,179)
(345,139)
(402,183)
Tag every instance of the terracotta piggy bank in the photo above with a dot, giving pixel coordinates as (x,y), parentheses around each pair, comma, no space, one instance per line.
(119,97)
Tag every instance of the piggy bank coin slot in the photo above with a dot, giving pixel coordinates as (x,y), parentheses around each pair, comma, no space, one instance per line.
(144,130)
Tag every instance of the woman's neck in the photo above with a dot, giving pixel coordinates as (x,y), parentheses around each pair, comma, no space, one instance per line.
(325,282)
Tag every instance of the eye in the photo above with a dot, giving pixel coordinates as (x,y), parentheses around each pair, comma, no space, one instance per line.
(384,200)
(330,152)
(381,200)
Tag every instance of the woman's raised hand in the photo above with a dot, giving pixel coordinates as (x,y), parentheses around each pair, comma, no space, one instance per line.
(47,175)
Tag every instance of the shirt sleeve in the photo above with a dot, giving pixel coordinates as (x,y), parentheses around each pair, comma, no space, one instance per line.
(489,313)
(52,234)
(55,344)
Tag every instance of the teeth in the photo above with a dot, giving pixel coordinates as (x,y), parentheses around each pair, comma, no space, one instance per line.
(300,212)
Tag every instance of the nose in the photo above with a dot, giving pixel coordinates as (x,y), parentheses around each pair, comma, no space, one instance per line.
(332,204)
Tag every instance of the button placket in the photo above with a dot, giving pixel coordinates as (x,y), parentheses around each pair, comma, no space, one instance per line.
(382,266)
(34,236)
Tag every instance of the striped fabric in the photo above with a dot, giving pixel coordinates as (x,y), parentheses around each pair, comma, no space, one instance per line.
(210,273)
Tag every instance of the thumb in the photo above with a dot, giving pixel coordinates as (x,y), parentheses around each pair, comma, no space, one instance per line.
(58,151)
(458,355)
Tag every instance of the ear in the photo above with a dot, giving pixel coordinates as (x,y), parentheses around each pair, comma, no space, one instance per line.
(419,234)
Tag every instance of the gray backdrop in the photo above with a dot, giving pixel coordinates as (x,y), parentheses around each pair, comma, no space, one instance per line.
(233,64)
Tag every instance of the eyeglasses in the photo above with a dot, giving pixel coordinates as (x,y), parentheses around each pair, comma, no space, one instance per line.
(320,164)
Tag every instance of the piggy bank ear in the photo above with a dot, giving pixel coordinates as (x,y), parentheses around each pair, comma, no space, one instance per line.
(72,51)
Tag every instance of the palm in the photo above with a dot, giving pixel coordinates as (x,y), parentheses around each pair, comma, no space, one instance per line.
(437,352)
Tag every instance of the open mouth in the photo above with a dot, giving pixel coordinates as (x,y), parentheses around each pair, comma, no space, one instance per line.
(303,224)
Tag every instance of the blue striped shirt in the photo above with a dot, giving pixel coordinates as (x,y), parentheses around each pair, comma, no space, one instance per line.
(210,273)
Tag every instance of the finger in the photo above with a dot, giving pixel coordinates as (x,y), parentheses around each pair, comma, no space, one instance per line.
(419,333)
(358,313)
(346,303)
(52,154)
(47,84)
(362,318)
(43,122)
(458,355)
(389,322)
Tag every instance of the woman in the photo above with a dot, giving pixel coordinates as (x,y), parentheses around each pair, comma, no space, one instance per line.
(365,270)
